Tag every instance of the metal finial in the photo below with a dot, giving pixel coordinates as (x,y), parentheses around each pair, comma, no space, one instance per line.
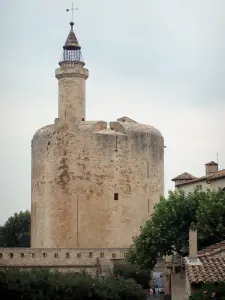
(72,10)
(71,48)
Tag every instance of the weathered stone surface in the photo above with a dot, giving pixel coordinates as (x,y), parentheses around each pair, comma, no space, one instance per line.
(61,259)
(78,167)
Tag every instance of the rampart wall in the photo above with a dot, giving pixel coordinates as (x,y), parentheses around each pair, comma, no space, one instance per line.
(62,259)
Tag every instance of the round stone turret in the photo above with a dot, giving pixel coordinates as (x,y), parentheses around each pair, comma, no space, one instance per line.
(71,81)
(93,185)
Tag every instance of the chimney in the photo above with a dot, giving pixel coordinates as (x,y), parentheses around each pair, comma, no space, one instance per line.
(211,168)
(193,244)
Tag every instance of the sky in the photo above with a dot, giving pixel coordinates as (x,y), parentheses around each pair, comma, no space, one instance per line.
(159,62)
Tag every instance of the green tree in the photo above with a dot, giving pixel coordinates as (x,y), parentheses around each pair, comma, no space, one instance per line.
(39,284)
(129,271)
(168,228)
(16,231)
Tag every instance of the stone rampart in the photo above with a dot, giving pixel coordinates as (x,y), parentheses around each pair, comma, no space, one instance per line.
(62,259)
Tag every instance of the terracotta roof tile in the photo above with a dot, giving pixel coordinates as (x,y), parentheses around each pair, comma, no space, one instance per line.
(211,270)
(212,163)
(218,174)
(212,249)
(184,176)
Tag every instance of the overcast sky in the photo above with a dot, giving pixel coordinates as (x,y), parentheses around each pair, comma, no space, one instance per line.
(159,62)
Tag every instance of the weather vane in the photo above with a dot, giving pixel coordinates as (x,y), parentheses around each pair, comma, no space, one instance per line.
(72,10)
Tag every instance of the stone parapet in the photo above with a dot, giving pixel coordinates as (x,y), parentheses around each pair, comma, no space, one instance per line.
(83,258)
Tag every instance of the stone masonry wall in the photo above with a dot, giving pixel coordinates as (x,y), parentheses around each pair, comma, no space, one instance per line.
(71,90)
(93,186)
(61,259)
(76,173)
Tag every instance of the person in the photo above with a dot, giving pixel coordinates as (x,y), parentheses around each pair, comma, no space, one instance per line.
(154,291)
(151,291)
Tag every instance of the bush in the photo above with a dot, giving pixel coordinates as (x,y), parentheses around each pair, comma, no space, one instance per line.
(129,271)
(209,291)
(42,284)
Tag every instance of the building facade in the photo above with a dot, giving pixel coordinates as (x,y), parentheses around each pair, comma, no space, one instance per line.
(213,179)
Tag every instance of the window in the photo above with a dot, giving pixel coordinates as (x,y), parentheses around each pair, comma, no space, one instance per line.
(45,255)
(33,255)
(90,254)
(0,255)
(11,255)
(101,254)
(78,255)
(116,196)
(56,255)
(113,255)
(199,187)
(22,255)
(67,255)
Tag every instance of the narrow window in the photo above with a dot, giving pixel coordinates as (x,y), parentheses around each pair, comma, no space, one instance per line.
(56,255)
(116,196)
(148,169)
(78,255)
(82,119)
(33,255)
(11,255)
(67,255)
(102,254)
(0,255)
(22,255)
(90,254)
(44,255)
(113,255)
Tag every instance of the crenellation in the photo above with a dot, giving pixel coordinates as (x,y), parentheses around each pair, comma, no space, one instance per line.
(25,257)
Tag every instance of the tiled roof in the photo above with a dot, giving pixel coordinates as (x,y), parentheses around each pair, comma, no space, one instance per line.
(71,42)
(212,163)
(218,174)
(184,176)
(213,249)
(193,180)
(211,269)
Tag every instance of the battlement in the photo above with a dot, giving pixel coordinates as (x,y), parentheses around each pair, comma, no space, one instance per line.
(59,258)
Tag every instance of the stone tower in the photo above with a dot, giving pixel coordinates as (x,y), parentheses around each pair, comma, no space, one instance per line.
(93,185)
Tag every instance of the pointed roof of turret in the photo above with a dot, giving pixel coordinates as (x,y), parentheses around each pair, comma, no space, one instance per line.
(72,49)
(71,41)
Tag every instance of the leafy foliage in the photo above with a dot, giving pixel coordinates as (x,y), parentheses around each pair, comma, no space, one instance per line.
(168,228)
(209,291)
(43,284)
(129,271)
(16,231)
